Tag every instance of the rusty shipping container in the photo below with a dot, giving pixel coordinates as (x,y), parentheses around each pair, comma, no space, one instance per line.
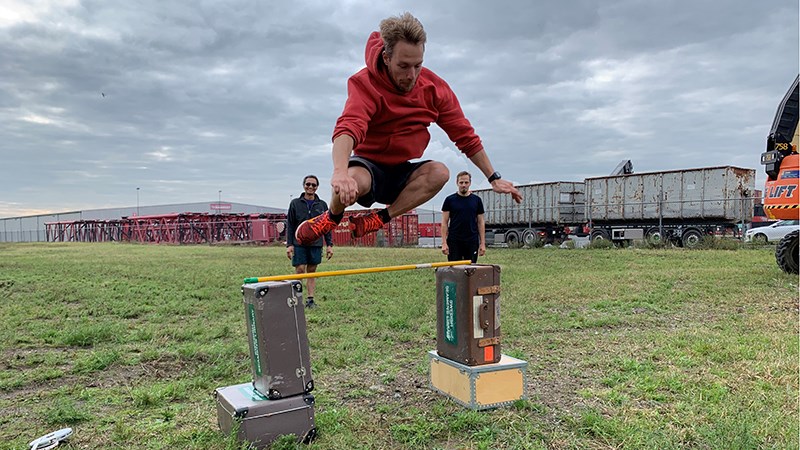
(268,227)
(429,230)
(709,194)
(400,231)
(557,203)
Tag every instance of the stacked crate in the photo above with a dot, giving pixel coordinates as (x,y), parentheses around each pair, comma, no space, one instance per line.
(278,401)
(467,365)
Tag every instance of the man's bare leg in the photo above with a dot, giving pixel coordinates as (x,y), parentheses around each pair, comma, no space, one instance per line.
(423,184)
(314,228)
(311,283)
(364,180)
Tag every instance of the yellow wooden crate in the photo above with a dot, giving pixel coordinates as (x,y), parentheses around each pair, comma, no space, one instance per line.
(479,387)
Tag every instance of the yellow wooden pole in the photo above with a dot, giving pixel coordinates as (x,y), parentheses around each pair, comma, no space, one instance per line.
(336,273)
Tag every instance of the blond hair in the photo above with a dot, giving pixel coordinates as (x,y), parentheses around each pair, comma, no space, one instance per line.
(404,27)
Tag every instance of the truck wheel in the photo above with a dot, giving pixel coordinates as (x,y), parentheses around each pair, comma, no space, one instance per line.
(653,236)
(786,254)
(599,235)
(691,238)
(512,239)
(529,237)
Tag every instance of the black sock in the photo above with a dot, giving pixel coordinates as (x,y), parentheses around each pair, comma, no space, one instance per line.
(336,217)
(384,215)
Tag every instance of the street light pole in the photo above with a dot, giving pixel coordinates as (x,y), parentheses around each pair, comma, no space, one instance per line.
(219,201)
(137,202)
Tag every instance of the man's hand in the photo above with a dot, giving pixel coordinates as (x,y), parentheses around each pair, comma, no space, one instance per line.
(345,187)
(481,161)
(482,250)
(506,187)
(289,251)
(445,248)
(329,252)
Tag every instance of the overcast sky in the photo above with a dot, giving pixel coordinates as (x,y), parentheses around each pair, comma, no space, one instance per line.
(184,99)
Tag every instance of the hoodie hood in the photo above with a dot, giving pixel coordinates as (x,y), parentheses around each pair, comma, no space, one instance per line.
(372,56)
(391,127)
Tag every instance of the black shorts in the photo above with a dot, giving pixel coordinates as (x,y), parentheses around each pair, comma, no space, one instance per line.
(387,181)
(306,256)
(460,250)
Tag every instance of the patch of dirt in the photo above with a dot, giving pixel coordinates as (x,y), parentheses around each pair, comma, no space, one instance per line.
(368,390)
(791,305)
(113,376)
(555,385)
(553,380)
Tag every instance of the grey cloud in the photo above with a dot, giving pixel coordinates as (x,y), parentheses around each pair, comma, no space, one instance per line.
(244,95)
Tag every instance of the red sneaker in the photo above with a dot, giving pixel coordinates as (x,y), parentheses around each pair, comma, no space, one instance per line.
(362,224)
(313,228)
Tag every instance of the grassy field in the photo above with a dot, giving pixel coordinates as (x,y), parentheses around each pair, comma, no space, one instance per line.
(626,348)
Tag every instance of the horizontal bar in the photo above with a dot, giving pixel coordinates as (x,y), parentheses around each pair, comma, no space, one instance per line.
(335,273)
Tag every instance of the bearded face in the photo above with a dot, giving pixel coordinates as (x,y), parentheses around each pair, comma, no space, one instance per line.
(464,182)
(404,65)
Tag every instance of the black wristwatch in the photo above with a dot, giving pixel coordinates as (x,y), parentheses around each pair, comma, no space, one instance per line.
(494,176)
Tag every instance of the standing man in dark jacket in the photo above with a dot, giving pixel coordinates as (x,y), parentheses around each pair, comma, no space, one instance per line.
(463,227)
(305,258)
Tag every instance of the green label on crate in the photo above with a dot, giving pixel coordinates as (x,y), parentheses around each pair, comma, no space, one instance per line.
(251,394)
(449,308)
(251,324)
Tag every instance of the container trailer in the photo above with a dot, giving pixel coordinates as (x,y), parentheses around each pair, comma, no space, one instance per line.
(549,211)
(679,206)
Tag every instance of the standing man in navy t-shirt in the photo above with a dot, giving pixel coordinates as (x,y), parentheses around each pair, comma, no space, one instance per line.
(463,227)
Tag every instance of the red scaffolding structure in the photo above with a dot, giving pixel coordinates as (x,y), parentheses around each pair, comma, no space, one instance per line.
(189,228)
(182,228)
(202,228)
(84,231)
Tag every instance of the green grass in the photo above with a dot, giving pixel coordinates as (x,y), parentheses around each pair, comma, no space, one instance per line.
(626,348)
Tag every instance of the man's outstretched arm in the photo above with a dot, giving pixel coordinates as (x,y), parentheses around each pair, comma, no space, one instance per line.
(481,235)
(481,160)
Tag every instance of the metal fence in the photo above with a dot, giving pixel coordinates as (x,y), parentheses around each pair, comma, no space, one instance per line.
(34,229)
(192,228)
(31,229)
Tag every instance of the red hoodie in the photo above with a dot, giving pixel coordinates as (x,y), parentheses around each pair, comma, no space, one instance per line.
(391,127)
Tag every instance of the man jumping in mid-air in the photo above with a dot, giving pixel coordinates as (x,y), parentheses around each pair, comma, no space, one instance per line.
(384,125)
